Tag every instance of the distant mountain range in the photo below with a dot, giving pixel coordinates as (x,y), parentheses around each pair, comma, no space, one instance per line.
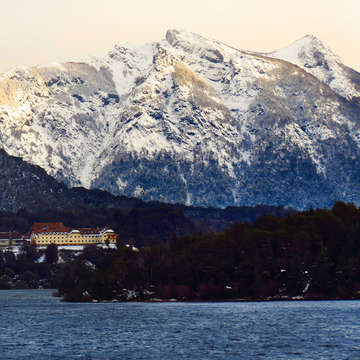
(185,120)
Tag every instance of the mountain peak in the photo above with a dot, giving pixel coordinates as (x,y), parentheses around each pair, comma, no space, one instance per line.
(301,49)
(311,41)
(191,120)
(177,37)
(314,57)
(310,37)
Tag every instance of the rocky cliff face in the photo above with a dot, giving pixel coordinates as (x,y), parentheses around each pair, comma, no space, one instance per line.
(193,121)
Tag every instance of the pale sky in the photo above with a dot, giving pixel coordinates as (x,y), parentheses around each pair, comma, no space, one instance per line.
(43,31)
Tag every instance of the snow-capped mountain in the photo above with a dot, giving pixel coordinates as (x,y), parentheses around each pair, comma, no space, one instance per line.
(312,56)
(194,121)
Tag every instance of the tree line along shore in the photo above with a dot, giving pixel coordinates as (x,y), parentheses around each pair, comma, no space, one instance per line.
(312,254)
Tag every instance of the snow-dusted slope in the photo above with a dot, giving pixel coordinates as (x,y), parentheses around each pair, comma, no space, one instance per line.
(187,120)
(311,55)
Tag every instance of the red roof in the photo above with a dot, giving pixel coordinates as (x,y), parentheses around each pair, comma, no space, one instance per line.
(13,234)
(89,230)
(60,227)
(49,227)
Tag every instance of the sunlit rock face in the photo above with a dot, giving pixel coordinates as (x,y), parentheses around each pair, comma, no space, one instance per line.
(193,121)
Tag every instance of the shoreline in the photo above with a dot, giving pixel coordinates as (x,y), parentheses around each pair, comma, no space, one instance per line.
(235,300)
(173,300)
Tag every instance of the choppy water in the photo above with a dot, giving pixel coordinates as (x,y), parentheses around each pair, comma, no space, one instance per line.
(35,325)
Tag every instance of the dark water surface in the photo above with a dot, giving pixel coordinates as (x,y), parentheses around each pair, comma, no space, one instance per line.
(35,325)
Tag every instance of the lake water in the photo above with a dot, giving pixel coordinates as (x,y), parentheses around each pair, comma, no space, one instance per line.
(35,325)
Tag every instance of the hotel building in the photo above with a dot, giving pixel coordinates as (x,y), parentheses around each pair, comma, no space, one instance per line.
(43,234)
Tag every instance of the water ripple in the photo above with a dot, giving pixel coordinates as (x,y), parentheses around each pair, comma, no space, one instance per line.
(35,325)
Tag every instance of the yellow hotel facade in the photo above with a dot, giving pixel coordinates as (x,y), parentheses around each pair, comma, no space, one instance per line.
(44,234)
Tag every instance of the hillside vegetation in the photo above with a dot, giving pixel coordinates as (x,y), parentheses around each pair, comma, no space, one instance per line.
(308,255)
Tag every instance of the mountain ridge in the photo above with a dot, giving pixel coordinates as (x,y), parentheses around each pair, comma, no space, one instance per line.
(191,120)
(311,55)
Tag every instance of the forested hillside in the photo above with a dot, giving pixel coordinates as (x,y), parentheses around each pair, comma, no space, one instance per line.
(308,255)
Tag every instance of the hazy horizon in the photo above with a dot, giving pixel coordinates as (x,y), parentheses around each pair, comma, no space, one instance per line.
(41,32)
